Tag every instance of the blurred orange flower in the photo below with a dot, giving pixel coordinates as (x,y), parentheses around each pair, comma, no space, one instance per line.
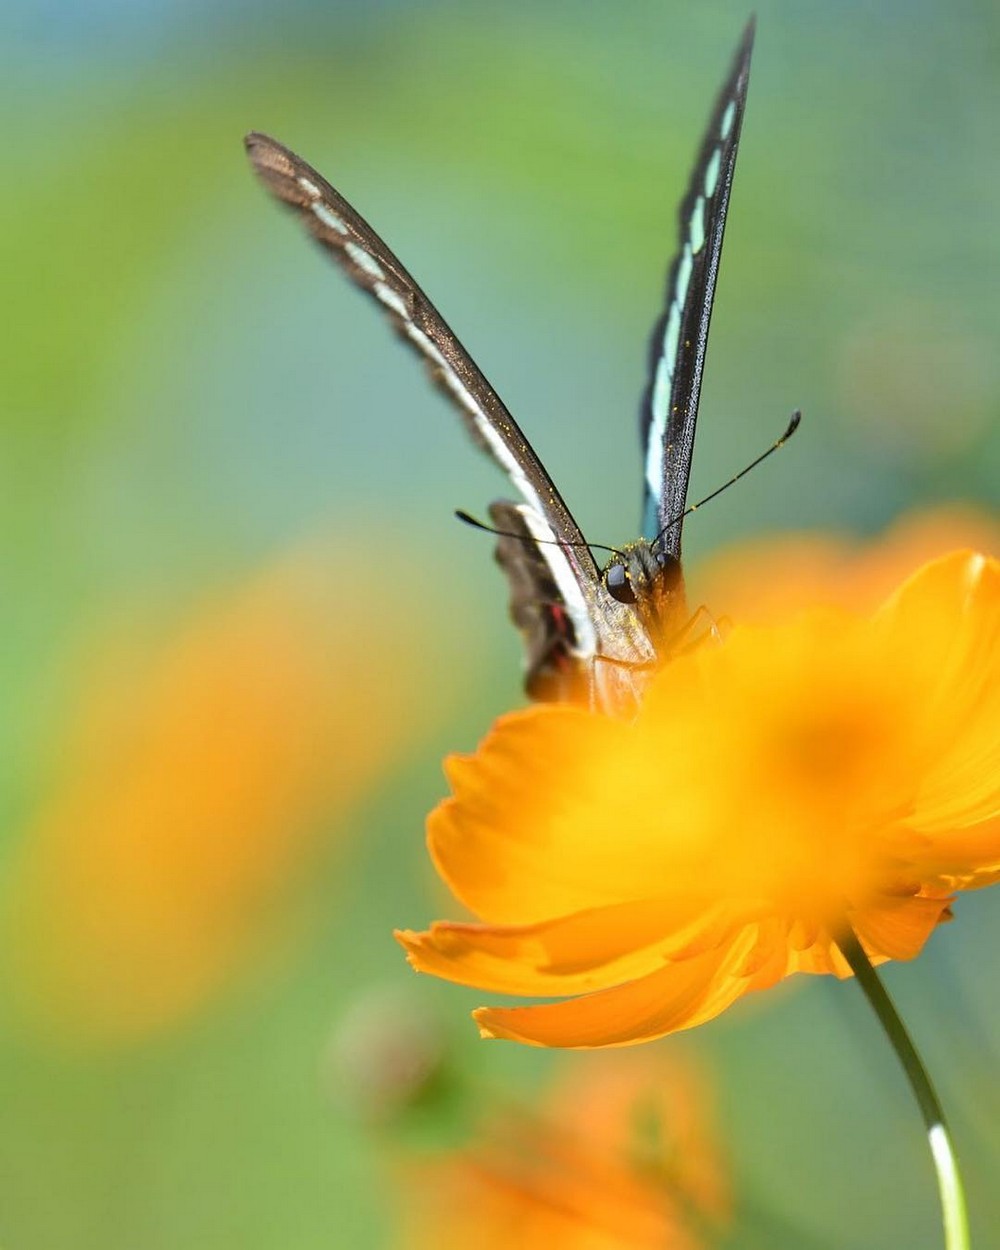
(833,770)
(200,777)
(764,579)
(618,1156)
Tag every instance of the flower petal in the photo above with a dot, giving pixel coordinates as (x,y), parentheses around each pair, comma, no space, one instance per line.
(530,832)
(575,954)
(958,803)
(898,928)
(678,996)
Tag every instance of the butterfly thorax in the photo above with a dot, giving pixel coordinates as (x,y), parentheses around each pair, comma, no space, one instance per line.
(646,576)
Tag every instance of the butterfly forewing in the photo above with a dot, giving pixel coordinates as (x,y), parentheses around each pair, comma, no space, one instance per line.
(349,239)
(559,566)
(680,337)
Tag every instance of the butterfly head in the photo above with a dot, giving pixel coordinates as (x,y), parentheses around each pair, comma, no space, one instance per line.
(643,573)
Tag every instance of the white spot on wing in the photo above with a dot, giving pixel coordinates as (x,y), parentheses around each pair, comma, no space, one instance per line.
(727,119)
(510,464)
(660,406)
(391,300)
(468,401)
(712,173)
(464,397)
(428,348)
(493,439)
(364,261)
(697,226)
(683,276)
(654,461)
(670,338)
(661,392)
(534,508)
(310,188)
(328,218)
(663,381)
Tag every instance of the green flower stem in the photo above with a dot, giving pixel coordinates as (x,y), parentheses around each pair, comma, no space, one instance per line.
(956,1223)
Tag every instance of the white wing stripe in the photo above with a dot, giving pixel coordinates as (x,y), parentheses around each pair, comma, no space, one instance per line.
(661,388)
(508,461)
(566,583)
(684,275)
(698,225)
(429,349)
(323,214)
(391,300)
(712,173)
(364,261)
(666,366)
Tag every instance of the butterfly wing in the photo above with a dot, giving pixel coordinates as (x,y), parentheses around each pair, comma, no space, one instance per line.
(680,337)
(552,672)
(557,568)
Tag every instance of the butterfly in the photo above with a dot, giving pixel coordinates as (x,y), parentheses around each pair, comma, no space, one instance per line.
(590,634)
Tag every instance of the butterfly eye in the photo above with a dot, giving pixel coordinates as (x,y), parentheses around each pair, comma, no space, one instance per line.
(618,584)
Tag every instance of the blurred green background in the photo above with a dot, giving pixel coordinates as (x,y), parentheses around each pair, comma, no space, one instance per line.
(190,392)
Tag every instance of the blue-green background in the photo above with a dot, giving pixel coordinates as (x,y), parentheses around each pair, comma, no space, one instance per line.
(187,388)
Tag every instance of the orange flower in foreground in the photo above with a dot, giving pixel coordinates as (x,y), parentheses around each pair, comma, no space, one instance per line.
(617,1157)
(201,777)
(831,771)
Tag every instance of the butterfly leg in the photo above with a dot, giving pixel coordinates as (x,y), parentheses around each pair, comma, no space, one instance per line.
(633,666)
(612,693)
(686,639)
(714,629)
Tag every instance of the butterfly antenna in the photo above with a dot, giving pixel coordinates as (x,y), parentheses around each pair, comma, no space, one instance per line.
(793,425)
(527,538)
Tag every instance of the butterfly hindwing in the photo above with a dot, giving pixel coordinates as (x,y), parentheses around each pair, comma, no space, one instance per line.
(680,337)
(552,673)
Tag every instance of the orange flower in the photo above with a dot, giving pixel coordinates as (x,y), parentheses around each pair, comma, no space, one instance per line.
(201,776)
(617,1157)
(764,579)
(831,771)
